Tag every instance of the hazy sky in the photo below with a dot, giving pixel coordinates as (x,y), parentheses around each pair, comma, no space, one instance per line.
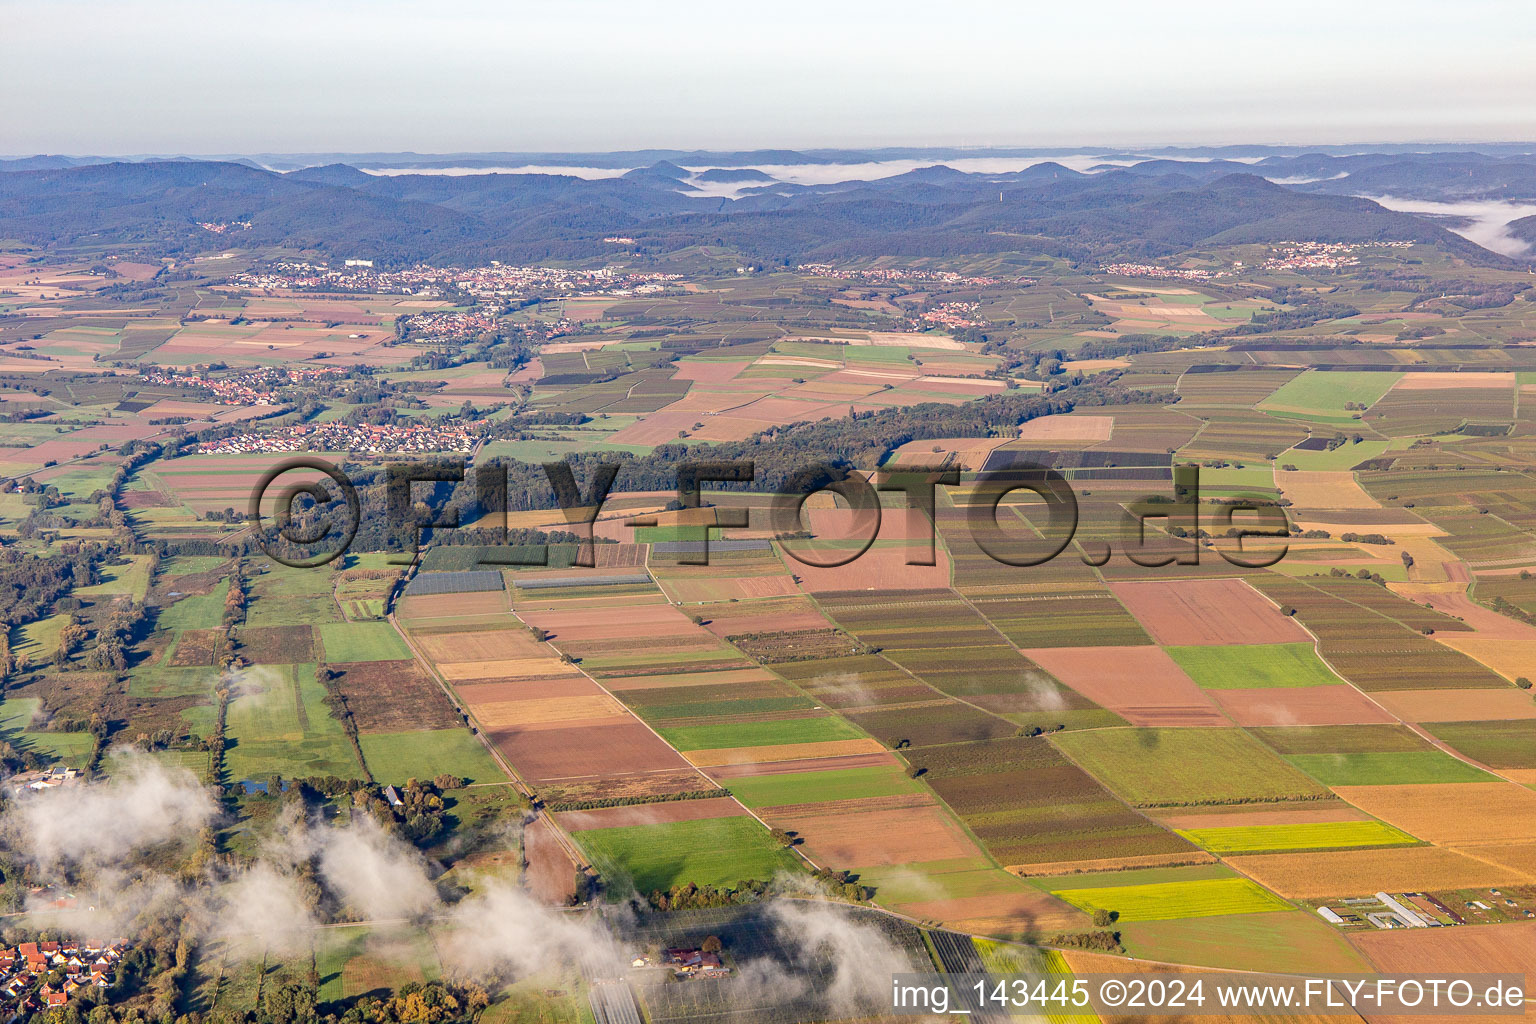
(216,76)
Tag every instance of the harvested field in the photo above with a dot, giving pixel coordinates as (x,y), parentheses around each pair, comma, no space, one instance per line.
(527,668)
(852,833)
(1435,381)
(1143,685)
(730,588)
(444,606)
(394,696)
(1197,612)
(594,708)
(1067,428)
(660,813)
(482,645)
(1356,872)
(1314,705)
(782,752)
(1508,704)
(1469,813)
(1323,489)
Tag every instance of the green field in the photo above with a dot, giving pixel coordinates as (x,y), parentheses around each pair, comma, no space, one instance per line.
(713,851)
(1346,456)
(1255,666)
(362,641)
(1496,744)
(279,724)
(816,787)
(424,754)
(73,748)
(759,734)
(1166,767)
(1169,900)
(1295,941)
(1390,768)
(196,611)
(1321,394)
(1307,836)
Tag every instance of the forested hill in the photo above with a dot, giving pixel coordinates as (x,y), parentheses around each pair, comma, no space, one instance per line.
(936,211)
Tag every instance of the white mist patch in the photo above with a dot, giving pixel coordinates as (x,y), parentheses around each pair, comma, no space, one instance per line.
(505,930)
(376,875)
(847,687)
(1047,697)
(1487,224)
(103,824)
(258,910)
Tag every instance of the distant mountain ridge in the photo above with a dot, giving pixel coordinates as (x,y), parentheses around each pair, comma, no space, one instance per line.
(1142,212)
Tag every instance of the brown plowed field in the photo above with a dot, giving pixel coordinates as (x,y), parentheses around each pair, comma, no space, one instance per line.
(1468,812)
(662,813)
(732,676)
(1017,913)
(1458,705)
(818,764)
(1496,948)
(1150,860)
(526,689)
(586,751)
(1433,381)
(394,696)
(550,871)
(1143,685)
(844,832)
(1353,872)
(638,622)
(276,645)
(1208,612)
(1305,705)
(782,752)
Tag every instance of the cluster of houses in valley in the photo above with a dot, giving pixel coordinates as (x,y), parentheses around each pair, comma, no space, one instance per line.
(38,975)
(951,314)
(252,387)
(1322,255)
(493,281)
(1164,273)
(450,324)
(362,438)
(903,275)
